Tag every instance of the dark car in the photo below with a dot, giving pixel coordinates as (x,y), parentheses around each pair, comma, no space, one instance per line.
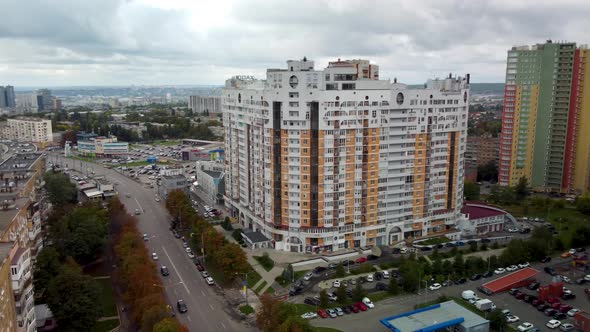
(484,290)
(347,263)
(347,310)
(580,281)
(537,302)
(568,296)
(560,316)
(525,231)
(372,257)
(475,277)
(395,251)
(461,281)
(550,270)
(520,296)
(295,291)
(543,307)
(310,301)
(319,269)
(380,286)
(181,306)
(534,285)
(550,312)
(529,298)
(485,240)
(440,246)
(546,259)
(513,291)
(426,248)
(378,275)
(581,249)
(164,271)
(449,245)
(488,274)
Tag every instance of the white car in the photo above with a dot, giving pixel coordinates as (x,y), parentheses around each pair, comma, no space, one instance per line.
(187,249)
(572,312)
(209,281)
(309,315)
(512,319)
(370,278)
(525,327)
(336,284)
(523,265)
(368,303)
(587,277)
(566,279)
(190,255)
(513,230)
(145,237)
(332,297)
(552,324)
(512,268)
(434,287)
(154,256)
(308,276)
(499,270)
(572,251)
(403,250)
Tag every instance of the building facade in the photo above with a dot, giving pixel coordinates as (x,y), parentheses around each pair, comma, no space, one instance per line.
(546,104)
(7,97)
(205,104)
(21,273)
(210,178)
(44,100)
(103,147)
(29,130)
(336,158)
(482,150)
(7,305)
(482,219)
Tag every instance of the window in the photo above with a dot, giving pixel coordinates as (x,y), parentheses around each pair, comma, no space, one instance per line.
(348,86)
(332,86)
(327,77)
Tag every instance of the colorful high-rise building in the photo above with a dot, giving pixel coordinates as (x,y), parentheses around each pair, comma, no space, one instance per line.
(546,105)
(337,158)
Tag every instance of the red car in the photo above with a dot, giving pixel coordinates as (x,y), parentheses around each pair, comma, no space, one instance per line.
(361,260)
(565,308)
(520,296)
(322,313)
(553,300)
(354,309)
(200,268)
(555,305)
(361,306)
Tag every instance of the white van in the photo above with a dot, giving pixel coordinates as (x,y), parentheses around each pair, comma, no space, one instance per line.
(385,274)
(468,295)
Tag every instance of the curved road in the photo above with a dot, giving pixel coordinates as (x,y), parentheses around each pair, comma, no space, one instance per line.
(206,309)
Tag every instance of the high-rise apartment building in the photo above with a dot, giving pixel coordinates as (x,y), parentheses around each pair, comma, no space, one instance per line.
(28,130)
(546,105)
(44,100)
(205,104)
(7,97)
(337,158)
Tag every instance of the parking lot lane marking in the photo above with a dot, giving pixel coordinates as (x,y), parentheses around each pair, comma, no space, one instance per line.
(203,293)
(223,325)
(189,318)
(176,270)
(211,306)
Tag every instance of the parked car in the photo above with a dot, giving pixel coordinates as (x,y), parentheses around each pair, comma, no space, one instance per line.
(566,279)
(537,302)
(534,285)
(319,269)
(512,319)
(525,327)
(309,315)
(322,313)
(181,306)
(361,260)
(542,307)
(550,312)
(368,303)
(336,283)
(339,311)
(546,259)
(361,306)
(572,312)
(310,301)
(560,316)
(499,270)
(210,281)
(523,265)
(435,286)
(488,274)
(475,277)
(331,313)
(512,268)
(354,309)
(566,327)
(380,286)
(308,276)
(332,297)
(164,271)
(369,278)
(461,281)
(552,324)
(550,270)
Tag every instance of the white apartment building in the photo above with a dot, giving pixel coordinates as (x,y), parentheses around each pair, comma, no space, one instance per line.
(29,130)
(337,158)
(202,104)
(210,178)
(21,272)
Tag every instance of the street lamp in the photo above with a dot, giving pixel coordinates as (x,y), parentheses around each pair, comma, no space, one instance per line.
(425,291)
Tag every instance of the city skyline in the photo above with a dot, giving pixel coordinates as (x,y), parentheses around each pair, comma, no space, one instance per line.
(152,42)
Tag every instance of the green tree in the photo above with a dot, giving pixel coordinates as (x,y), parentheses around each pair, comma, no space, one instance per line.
(473,246)
(470,191)
(459,264)
(522,188)
(167,325)
(581,237)
(493,262)
(288,273)
(358,293)
(47,267)
(583,204)
(60,190)
(495,245)
(341,294)
(72,298)
(393,286)
(340,271)
(497,321)
(324,301)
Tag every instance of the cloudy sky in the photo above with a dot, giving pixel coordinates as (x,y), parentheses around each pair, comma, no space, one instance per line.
(151,42)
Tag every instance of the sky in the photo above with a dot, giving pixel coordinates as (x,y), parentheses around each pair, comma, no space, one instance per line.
(167,42)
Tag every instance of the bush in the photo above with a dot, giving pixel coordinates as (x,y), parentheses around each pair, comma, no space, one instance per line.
(266,262)
(495,245)
(246,309)
(237,235)
(226,224)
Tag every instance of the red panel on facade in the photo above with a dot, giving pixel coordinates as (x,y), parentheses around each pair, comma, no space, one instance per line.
(512,280)
(506,143)
(570,146)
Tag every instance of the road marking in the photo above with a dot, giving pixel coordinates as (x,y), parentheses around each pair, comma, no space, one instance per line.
(211,306)
(203,293)
(175,293)
(140,208)
(223,325)
(174,267)
(189,318)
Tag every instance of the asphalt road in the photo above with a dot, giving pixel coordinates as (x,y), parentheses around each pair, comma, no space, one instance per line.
(206,308)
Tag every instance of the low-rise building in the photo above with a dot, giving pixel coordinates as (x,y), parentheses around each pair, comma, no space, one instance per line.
(203,150)
(103,147)
(28,130)
(481,219)
(210,180)
(170,182)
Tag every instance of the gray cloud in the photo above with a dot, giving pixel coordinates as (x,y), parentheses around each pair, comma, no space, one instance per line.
(67,42)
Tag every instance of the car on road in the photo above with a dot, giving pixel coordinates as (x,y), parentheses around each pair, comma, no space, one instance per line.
(587,277)
(525,327)
(552,324)
(309,315)
(336,283)
(200,267)
(210,281)
(572,312)
(550,312)
(145,237)
(369,278)
(128,195)
(361,260)
(332,313)
(190,255)
(368,303)
(332,266)
(181,306)
(137,212)
(380,286)
(308,276)
(512,268)
(322,313)
(566,327)
(499,270)
(205,274)
(164,271)
(435,286)
(154,256)
(339,311)
(512,319)
(188,249)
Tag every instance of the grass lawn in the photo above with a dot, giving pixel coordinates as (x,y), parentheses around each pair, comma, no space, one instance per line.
(270,290)
(266,262)
(246,309)
(380,296)
(435,240)
(300,274)
(106,298)
(301,308)
(257,290)
(253,278)
(105,326)
(165,142)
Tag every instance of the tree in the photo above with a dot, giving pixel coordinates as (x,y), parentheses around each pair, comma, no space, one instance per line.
(470,191)
(48,266)
(324,301)
(459,264)
(473,246)
(393,287)
(169,325)
(497,321)
(493,262)
(581,237)
(341,294)
(72,298)
(358,293)
(488,172)
(267,315)
(288,272)
(60,190)
(340,271)
(231,259)
(583,204)
(522,188)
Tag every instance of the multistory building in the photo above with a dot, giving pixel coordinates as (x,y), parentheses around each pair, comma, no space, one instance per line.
(546,106)
(101,146)
(7,97)
(205,104)
(28,130)
(209,176)
(21,274)
(44,100)
(7,305)
(337,158)
(482,149)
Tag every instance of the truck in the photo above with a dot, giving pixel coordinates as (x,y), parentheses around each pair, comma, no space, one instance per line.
(484,305)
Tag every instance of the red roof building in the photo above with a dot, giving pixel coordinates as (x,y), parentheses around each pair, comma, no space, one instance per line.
(513,280)
(482,219)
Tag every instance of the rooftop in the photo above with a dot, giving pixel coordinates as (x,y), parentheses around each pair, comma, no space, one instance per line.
(19,252)
(478,211)
(213,174)
(256,237)
(7,215)
(507,281)
(20,161)
(5,248)
(433,318)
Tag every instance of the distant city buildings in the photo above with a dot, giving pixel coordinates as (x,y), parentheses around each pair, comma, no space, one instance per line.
(482,149)
(205,104)
(44,100)
(337,158)
(545,118)
(28,130)
(103,147)
(7,97)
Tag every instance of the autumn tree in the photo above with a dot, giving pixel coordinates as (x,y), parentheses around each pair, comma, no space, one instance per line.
(267,315)
(231,259)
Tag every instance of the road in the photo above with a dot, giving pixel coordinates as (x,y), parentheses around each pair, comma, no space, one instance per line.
(206,308)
